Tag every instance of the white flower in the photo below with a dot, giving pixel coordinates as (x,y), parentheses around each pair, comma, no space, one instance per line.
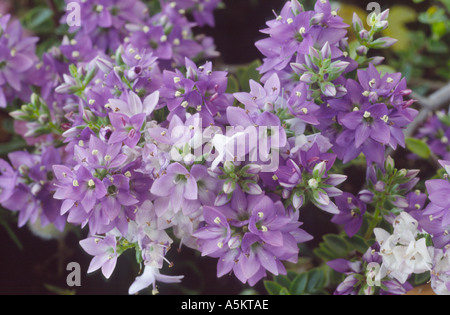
(149,277)
(440,276)
(405,226)
(402,253)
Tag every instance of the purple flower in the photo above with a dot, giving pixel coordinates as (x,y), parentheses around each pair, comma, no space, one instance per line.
(99,154)
(369,121)
(118,196)
(177,189)
(301,107)
(436,215)
(127,130)
(133,104)
(104,20)
(8,180)
(28,188)
(260,98)
(104,252)
(17,56)
(361,277)
(200,90)
(77,187)
(351,212)
(251,240)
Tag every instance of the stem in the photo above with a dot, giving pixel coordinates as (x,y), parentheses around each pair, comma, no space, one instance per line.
(376,218)
(379,207)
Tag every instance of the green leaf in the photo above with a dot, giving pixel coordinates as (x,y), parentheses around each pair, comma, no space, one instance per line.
(418,147)
(358,243)
(283,281)
(247,73)
(421,278)
(58,290)
(272,287)
(336,243)
(284,291)
(17,143)
(298,286)
(316,280)
(324,253)
(233,84)
(38,19)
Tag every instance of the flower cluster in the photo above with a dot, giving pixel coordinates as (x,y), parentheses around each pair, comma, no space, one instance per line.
(418,244)
(436,132)
(140,141)
(363,277)
(17,61)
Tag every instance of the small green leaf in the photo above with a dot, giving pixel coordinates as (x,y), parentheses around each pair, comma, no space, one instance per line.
(284,291)
(298,286)
(421,278)
(58,290)
(336,244)
(272,287)
(316,279)
(283,281)
(358,243)
(418,147)
(324,253)
(247,73)
(233,84)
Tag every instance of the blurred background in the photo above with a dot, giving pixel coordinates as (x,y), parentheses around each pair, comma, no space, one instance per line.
(32,265)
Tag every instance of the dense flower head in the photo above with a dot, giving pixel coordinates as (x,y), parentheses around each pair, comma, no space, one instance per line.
(252,238)
(27,187)
(136,137)
(17,60)
(435,132)
(363,277)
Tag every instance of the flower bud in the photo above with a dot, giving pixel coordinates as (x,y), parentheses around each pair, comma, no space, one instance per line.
(234,242)
(383,42)
(104,65)
(298,68)
(297,200)
(317,18)
(326,51)
(379,186)
(319,169)
(362,50)
(307,78)
(221,200)
(228,167)
(251,169)
(365,196)
(229,186)
(357,24)
(254,189)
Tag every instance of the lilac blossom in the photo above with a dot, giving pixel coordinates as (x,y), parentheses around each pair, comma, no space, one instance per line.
(351,212)
(27,187)
(104,252)
(265,234)
(138,134)
(104,20)
(363,277)
(17,59)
